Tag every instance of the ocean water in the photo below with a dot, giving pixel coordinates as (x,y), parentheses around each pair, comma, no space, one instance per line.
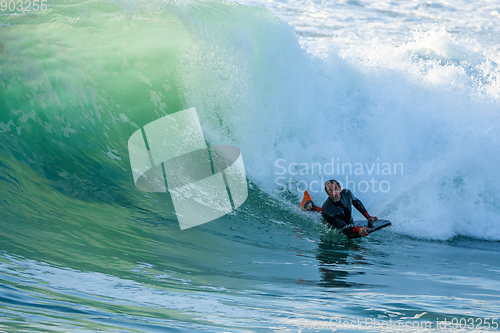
(400,101)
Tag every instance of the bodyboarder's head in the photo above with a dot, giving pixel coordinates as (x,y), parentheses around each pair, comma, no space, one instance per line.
(332,188)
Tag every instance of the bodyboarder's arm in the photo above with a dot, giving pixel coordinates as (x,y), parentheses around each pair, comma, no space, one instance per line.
(350,230)
(359,206)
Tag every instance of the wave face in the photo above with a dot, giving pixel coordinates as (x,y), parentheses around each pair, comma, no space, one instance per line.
(410,126)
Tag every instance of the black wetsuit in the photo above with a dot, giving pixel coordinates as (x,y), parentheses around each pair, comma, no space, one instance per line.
(338,214)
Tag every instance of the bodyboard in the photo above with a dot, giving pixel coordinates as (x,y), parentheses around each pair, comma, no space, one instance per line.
(377,225)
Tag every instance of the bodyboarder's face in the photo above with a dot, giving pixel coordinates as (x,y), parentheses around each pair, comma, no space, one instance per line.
(333,190)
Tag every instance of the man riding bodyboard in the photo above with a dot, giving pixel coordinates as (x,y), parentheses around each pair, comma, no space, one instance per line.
(337,210)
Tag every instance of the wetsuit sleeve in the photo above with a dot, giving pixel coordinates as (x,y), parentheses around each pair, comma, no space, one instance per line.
(350,230)
(359,205)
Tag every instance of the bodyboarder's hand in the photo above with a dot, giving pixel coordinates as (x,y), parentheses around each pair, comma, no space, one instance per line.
(363,231)
(370,220)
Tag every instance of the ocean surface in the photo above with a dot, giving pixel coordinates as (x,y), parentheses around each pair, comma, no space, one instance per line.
(398,100)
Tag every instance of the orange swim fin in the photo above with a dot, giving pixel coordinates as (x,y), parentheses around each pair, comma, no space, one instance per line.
(307,198)
(305,202)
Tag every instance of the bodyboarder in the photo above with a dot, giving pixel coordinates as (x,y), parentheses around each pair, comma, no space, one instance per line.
(337,210)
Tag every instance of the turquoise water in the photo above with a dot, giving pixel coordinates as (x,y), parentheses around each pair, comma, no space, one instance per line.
(399,101)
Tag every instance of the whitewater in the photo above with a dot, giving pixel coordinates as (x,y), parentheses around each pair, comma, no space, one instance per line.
(400,101)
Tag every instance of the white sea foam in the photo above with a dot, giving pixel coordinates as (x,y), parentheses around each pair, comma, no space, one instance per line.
(425,97)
